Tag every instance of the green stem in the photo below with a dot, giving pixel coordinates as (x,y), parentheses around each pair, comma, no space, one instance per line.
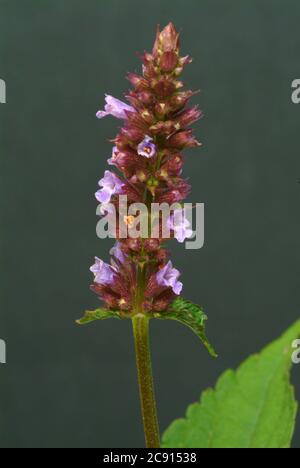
(144,369)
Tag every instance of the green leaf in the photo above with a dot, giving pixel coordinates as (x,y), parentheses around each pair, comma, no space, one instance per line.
(98,314)
(253,407)
(191,315)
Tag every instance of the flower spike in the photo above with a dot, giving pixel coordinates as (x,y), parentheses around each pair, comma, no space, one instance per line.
(140,281)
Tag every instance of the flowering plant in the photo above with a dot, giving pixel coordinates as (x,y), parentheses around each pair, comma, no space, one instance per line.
(147,152)
(141,283)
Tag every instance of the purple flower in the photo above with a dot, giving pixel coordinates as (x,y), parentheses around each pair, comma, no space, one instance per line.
(168,276)
(114,107)
(117,252)
(180,225)
(147,148)
(111,185)
(104,273)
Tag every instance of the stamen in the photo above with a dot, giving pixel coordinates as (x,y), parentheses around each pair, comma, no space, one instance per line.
(129,221)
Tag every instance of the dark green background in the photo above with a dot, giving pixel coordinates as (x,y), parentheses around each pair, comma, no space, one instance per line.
(66,386)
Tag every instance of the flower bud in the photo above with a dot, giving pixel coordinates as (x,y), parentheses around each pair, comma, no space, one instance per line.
(169,39)
(165,128)
(171,168)
(180,99)
(168,61)
(161,303)
(189,116)
(170,197)
(132,193)
(147,116)
(185,60)
(183,139)
(136,120)
(132,134)
(162,109)
(146,97)
(147,58)
(111,301)
(178,190)
(164,87)
(120,141)
(138,81)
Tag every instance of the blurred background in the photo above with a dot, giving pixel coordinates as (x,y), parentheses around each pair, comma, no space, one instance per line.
(71,386)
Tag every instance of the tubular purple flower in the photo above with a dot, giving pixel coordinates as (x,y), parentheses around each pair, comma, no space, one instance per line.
(114,107)
(180,225)
(111,185)
(168,276)
(117,252)
(147,148)
(104,273)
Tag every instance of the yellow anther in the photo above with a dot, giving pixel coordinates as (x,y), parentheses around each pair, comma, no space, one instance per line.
(129,221)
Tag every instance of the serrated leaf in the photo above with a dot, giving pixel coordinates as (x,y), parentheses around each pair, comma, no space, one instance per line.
(190,315)
(253,407)
(98,314)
